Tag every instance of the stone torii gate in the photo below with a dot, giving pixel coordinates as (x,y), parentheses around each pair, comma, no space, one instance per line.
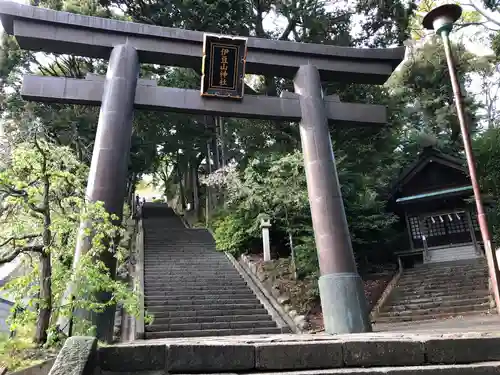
(127,44)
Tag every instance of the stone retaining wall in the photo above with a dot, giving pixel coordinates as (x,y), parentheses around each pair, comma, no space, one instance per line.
(300,321)
(38,369)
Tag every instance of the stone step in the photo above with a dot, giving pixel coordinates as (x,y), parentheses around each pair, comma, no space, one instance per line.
(198,282)
(173,266)
(177,240)
(189,273)
(169,261)
(179,243)
(178,237)
(426,317)
(213,319)
(213,306)
(199,297)
(209,326)
(185,235)
(196,255)
(193,284)
(214,332)
(439,310)
(486,368)
(209,312)
(433,305)
(439,291)
(181,247)
(365,353)
(431,284)
(196,302)
(415,297)
(183,290)
(456,279)
(183,260)
(191,294)
(193,276)
(447,297)
(436,270)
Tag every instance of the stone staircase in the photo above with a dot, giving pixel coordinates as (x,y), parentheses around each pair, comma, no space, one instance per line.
(361,354)
(191,289)
(437,291)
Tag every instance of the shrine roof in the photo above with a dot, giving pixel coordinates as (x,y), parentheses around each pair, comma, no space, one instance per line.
(427,156)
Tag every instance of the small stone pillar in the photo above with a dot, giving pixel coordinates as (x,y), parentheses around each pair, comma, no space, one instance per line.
(265,224)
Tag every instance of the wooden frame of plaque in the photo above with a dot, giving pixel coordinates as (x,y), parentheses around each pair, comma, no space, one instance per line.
(223,66)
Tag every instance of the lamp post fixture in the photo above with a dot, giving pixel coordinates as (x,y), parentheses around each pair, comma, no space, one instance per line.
(441,20)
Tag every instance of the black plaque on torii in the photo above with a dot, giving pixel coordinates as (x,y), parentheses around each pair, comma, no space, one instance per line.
(223,67)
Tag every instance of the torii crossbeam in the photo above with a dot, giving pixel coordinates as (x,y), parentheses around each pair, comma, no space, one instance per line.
(128,44)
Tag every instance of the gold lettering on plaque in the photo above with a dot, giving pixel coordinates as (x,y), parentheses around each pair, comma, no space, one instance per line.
(223,67)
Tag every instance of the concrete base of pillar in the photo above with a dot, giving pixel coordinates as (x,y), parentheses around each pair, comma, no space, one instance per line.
(344,304)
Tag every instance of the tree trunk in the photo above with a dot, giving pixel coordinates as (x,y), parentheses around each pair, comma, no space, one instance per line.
(188,185)
(196,198)
(45,309)
(215,152)
(222,145)
(131,189)
(181,188)
(44,313)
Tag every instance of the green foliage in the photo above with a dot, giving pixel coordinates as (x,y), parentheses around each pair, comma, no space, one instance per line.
(233,231)
(19,352)
(417,32)
(495,44)
(487,155)
(423,88)
(24,215)
(275,185)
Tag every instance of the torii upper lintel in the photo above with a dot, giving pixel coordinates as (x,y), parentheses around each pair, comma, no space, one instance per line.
(46,30)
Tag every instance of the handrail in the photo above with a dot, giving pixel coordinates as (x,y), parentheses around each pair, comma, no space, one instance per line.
(139,277)
(426,248)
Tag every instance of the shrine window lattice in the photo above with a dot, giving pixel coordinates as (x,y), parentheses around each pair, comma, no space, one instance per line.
(414,227)
(436,227)
(442,224)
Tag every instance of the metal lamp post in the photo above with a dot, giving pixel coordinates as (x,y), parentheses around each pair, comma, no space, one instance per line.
(441,20)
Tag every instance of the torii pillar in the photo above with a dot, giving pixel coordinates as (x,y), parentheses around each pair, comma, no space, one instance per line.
(341,289)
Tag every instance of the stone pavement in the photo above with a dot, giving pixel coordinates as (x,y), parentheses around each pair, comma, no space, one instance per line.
(390,352)
(477,326)
(479,323)
(426,352)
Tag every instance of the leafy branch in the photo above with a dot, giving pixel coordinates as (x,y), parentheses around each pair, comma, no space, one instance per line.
(19,250)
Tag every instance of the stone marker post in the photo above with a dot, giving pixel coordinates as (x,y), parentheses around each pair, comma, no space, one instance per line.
(341,289)
(108,169)
(265,224)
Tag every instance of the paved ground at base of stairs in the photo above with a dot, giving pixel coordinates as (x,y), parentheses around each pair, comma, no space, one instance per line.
(476,327)
(482,323)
